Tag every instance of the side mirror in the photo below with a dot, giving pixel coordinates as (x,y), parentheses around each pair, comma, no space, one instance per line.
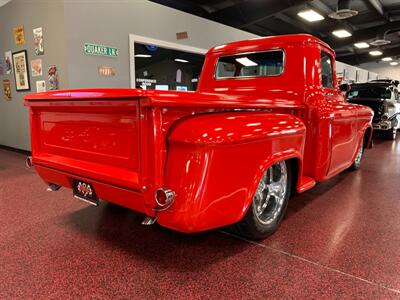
(345,87)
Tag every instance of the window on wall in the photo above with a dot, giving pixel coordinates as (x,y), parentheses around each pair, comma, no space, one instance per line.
(269,63)
(159,68)
(326,70)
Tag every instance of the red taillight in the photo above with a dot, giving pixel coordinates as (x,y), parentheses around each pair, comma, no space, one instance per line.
(164,198)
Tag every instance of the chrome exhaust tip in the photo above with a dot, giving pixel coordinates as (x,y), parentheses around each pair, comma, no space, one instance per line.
(53,187)
(164,199)
(148,221)
(28,162)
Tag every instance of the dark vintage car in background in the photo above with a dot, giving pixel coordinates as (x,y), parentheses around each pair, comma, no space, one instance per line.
(382,97)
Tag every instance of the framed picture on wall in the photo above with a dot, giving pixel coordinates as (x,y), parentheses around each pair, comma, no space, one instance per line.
(21,71)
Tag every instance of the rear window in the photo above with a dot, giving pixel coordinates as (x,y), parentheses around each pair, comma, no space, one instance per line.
(268,63)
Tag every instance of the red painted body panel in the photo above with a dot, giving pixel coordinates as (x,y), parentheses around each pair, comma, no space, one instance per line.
(209,146)
(220,159)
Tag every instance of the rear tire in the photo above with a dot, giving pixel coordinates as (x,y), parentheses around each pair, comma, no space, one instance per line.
(391,134)
(269,203)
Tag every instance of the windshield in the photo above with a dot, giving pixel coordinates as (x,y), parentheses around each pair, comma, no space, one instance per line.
(369,92)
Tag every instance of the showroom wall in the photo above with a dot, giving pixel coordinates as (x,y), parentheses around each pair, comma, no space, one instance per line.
(355,74)
(14,123)
(111,22)
(68,24)
(384,69)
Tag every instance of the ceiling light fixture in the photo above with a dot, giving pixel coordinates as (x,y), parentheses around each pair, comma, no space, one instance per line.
(343,11)
(310,15)
(361,45)
(387,59)
(394,63)
(181,60)
(246,62)
(143,55)
(380,42)
(341,33)
(376,53)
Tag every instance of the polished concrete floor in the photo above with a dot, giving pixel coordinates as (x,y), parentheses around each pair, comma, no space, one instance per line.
(339,240)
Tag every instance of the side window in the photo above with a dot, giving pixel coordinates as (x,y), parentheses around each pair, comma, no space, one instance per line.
(326,70)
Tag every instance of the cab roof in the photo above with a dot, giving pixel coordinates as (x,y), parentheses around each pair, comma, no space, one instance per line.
(258,44)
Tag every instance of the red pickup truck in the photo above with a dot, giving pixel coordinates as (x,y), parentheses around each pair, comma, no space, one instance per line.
(268,119)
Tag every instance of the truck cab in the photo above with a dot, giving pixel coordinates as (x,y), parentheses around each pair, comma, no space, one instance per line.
(294,70)
(268,119)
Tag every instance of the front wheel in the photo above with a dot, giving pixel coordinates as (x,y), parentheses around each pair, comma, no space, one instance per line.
(269,203)
(357,162)
(391,133)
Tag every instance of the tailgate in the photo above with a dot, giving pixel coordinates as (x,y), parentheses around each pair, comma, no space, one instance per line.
(89,134)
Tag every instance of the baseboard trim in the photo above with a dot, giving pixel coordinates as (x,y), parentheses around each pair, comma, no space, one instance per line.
(8,148)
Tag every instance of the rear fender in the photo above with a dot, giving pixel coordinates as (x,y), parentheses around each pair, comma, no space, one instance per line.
(215,162)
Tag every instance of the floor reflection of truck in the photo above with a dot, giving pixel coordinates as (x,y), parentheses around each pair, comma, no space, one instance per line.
(268,119)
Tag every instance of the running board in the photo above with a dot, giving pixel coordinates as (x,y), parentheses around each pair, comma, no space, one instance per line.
(305,183)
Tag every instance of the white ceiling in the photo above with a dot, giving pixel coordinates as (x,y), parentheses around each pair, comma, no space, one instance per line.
(2,2)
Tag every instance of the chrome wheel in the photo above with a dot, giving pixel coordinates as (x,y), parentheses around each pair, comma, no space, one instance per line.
(271,193)
(269,202)
(359,154)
